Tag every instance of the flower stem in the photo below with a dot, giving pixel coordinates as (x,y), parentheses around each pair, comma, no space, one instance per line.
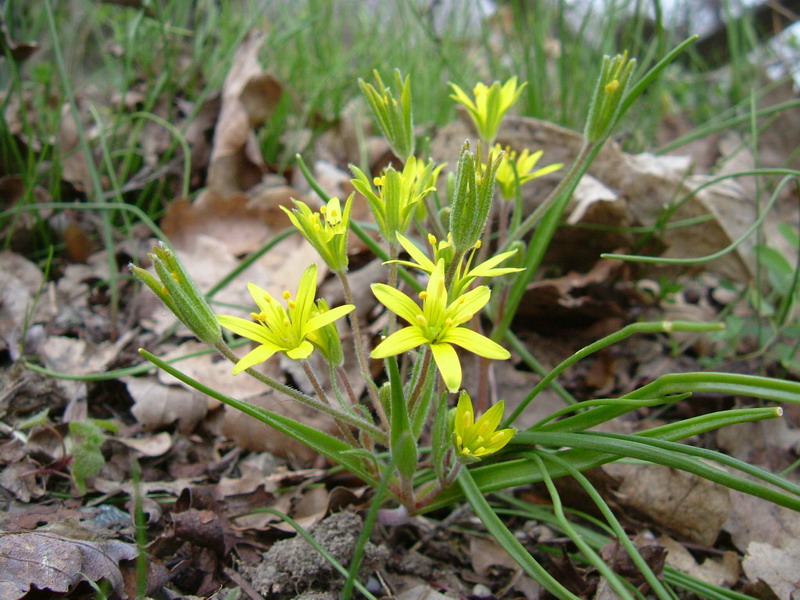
(361,355)
(423,375)
(367,427)
(312,377)
(345,381)
(393,253)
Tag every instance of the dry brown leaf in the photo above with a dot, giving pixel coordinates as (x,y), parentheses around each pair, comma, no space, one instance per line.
(779,568)
(648,181)
(694,508)
(486,554)
(213,371)
(249,97)
(722,572)
(54,562)
(151,445)
(757,520)
(157,405)
(252,434)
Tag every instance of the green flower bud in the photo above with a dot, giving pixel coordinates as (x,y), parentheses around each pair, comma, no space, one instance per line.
(471,199)
(395,118)
(326,338)
(179,293)
(608,94)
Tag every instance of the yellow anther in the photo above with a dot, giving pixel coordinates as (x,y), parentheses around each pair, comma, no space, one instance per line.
(422,320)
(611,86)
(496,437)
(255,316)
(287,294)
(461,300)
(323,209)
(378,181)
(449,322)
(423,295)
(291,303)
(478,244)
(287,322)
(175,276)
(432,239)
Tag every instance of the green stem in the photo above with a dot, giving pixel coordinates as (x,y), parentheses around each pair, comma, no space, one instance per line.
(361,356)
(312,378)
(423,375)
(368,428)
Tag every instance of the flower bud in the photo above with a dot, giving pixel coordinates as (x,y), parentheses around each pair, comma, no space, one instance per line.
(471,199)
(179,293)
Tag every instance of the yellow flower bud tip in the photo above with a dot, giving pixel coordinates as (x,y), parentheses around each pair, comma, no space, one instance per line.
(423,294)
(611,86)
(287,294)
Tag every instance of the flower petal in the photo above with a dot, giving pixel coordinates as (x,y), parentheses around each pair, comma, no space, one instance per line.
(464,415)
(423,262)
(262,297)
(249,329)
(487,267)
(254,357)
(489,420)
(397,302)
(329,316)
(302,351)
(474,342)
(468,304)
(304,301)
(399,342)
(447,360)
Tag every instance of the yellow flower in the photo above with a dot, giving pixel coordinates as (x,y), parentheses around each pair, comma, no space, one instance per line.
(279,329)
(398,193)
(523,164)
(475,439)
(489,106)
(326,230)
(487,268)
(437,325)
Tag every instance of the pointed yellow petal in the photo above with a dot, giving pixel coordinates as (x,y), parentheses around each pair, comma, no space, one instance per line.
(397,302)
(489,421)
(474,342)
(487,267)
(254,357)
(329,316)
(447,360)
(464,416)
(305,296)
(249,329)
(399,342)
(304,350)
(499,439)
(462,309)
(414,252)
(261,296)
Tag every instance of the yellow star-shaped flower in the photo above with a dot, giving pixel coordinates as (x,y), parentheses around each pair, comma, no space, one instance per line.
(475,439)
(437,324)
(489,106)
(523,164)
(279,329)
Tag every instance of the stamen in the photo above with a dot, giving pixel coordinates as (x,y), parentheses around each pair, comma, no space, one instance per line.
(291,303)
(432,239)
(423,295)
(287,294)
(422,320)
(478,244)
(449,322)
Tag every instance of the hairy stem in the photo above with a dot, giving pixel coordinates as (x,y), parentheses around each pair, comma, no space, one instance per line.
(361,355)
